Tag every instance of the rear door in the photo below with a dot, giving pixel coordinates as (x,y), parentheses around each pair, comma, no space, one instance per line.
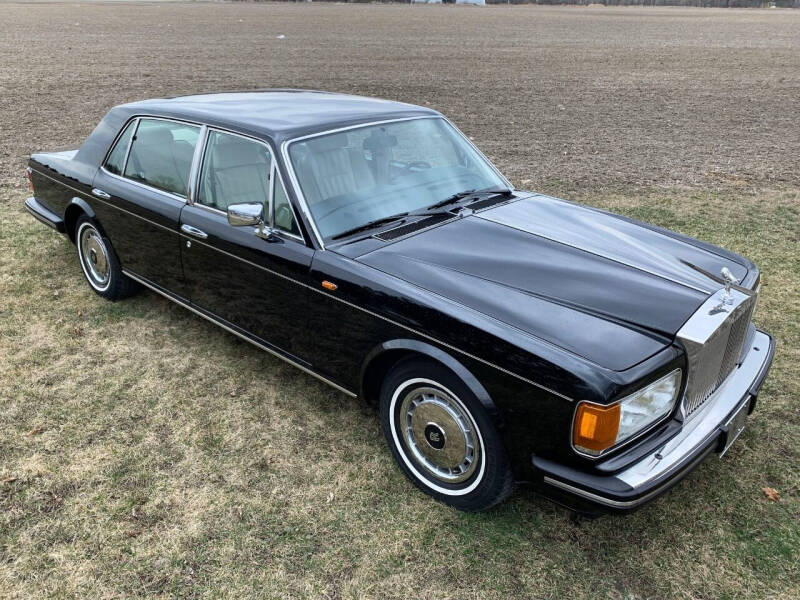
(251,281)
(139,194)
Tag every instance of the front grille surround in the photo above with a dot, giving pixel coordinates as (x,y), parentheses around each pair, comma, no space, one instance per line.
(713,338)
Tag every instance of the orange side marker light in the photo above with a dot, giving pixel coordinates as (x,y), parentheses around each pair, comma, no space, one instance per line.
(596,427)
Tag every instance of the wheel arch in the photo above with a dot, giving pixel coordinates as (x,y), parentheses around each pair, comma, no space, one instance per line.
(387,354)
(75,208)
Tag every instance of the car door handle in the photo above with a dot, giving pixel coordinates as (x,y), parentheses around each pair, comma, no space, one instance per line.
(100,193)
(194,231)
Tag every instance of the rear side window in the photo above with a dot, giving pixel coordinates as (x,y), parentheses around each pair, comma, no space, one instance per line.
(116,160)
(161,155)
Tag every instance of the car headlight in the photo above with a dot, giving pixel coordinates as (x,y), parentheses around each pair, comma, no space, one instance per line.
(597,428)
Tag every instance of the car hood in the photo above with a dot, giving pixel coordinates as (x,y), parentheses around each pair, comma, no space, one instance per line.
(598,285)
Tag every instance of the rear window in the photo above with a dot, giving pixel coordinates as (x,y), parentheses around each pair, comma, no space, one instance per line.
(161,155)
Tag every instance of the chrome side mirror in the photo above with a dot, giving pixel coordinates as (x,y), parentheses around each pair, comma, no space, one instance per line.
(242,215)
(248,214)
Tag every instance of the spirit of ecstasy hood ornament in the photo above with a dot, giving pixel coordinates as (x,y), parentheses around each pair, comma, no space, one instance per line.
(729,280)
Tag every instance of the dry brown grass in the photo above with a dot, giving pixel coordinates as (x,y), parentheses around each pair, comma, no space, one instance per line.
(144,452)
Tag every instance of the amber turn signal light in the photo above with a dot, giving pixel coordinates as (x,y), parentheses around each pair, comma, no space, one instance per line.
(596,427)
(329,285)
(29,177)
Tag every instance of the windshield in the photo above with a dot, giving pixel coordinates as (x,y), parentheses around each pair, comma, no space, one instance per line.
(361,175)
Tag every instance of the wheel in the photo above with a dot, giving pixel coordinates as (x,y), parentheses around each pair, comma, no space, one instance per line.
(99,262)
(442,437)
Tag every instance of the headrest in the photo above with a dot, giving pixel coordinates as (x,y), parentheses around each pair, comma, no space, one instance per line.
(378,140)
(238,152)
(154,136)
(330,142)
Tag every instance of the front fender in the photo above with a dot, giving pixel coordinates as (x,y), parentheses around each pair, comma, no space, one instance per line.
(437,354)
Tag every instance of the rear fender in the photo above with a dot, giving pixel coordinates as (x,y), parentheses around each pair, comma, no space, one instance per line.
(75,208)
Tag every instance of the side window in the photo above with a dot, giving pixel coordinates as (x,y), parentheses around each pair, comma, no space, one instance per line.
(116,160)
(283,217)
(235,170)
(161,155)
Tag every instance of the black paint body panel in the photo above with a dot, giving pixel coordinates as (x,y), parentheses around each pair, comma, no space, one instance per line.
(533,324)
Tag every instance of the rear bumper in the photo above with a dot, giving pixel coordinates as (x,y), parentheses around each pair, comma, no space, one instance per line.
(44,214)
(703,434)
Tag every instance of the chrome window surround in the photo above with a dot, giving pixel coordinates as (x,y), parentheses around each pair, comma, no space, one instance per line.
(635,436)
(197,167)
(137,120)
(301,200)
(194,172)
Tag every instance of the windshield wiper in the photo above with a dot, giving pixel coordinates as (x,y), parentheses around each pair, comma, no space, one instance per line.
(451,199)
(432,209)
(369,225)
(467,194)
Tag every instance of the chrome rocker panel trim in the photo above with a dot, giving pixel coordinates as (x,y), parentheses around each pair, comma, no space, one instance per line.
(660,470)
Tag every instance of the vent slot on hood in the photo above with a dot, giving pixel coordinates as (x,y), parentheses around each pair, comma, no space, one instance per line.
(398,232)
(487,202)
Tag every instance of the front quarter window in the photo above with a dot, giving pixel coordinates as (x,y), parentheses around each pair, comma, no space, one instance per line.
(368,173)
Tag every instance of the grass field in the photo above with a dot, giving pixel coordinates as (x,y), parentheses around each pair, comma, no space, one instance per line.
(144,452)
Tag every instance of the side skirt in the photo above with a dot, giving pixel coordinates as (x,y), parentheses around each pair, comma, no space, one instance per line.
(245,337)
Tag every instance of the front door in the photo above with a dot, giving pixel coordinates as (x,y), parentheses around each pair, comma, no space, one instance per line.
(247,280)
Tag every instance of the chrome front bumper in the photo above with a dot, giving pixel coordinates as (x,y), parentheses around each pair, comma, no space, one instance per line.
(705,432)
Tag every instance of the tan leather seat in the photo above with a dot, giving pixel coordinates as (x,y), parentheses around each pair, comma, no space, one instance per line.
(238,172)
(158,160)
(334,168)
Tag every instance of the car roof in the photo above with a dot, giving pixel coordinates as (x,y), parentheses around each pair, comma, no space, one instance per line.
(278,113)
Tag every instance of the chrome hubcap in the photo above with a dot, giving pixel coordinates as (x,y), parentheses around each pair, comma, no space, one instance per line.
(440,434)
(94,257)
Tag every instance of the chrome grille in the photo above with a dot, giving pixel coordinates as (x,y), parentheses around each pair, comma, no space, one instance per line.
(711,360)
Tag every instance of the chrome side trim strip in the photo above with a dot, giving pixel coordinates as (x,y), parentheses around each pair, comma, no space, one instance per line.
(367,311)
(95,198)
(238,334)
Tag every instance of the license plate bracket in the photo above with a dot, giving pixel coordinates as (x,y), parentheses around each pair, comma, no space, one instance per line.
(735,425)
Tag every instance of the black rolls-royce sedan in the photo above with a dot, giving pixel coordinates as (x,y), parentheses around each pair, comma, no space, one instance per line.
(504,336)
